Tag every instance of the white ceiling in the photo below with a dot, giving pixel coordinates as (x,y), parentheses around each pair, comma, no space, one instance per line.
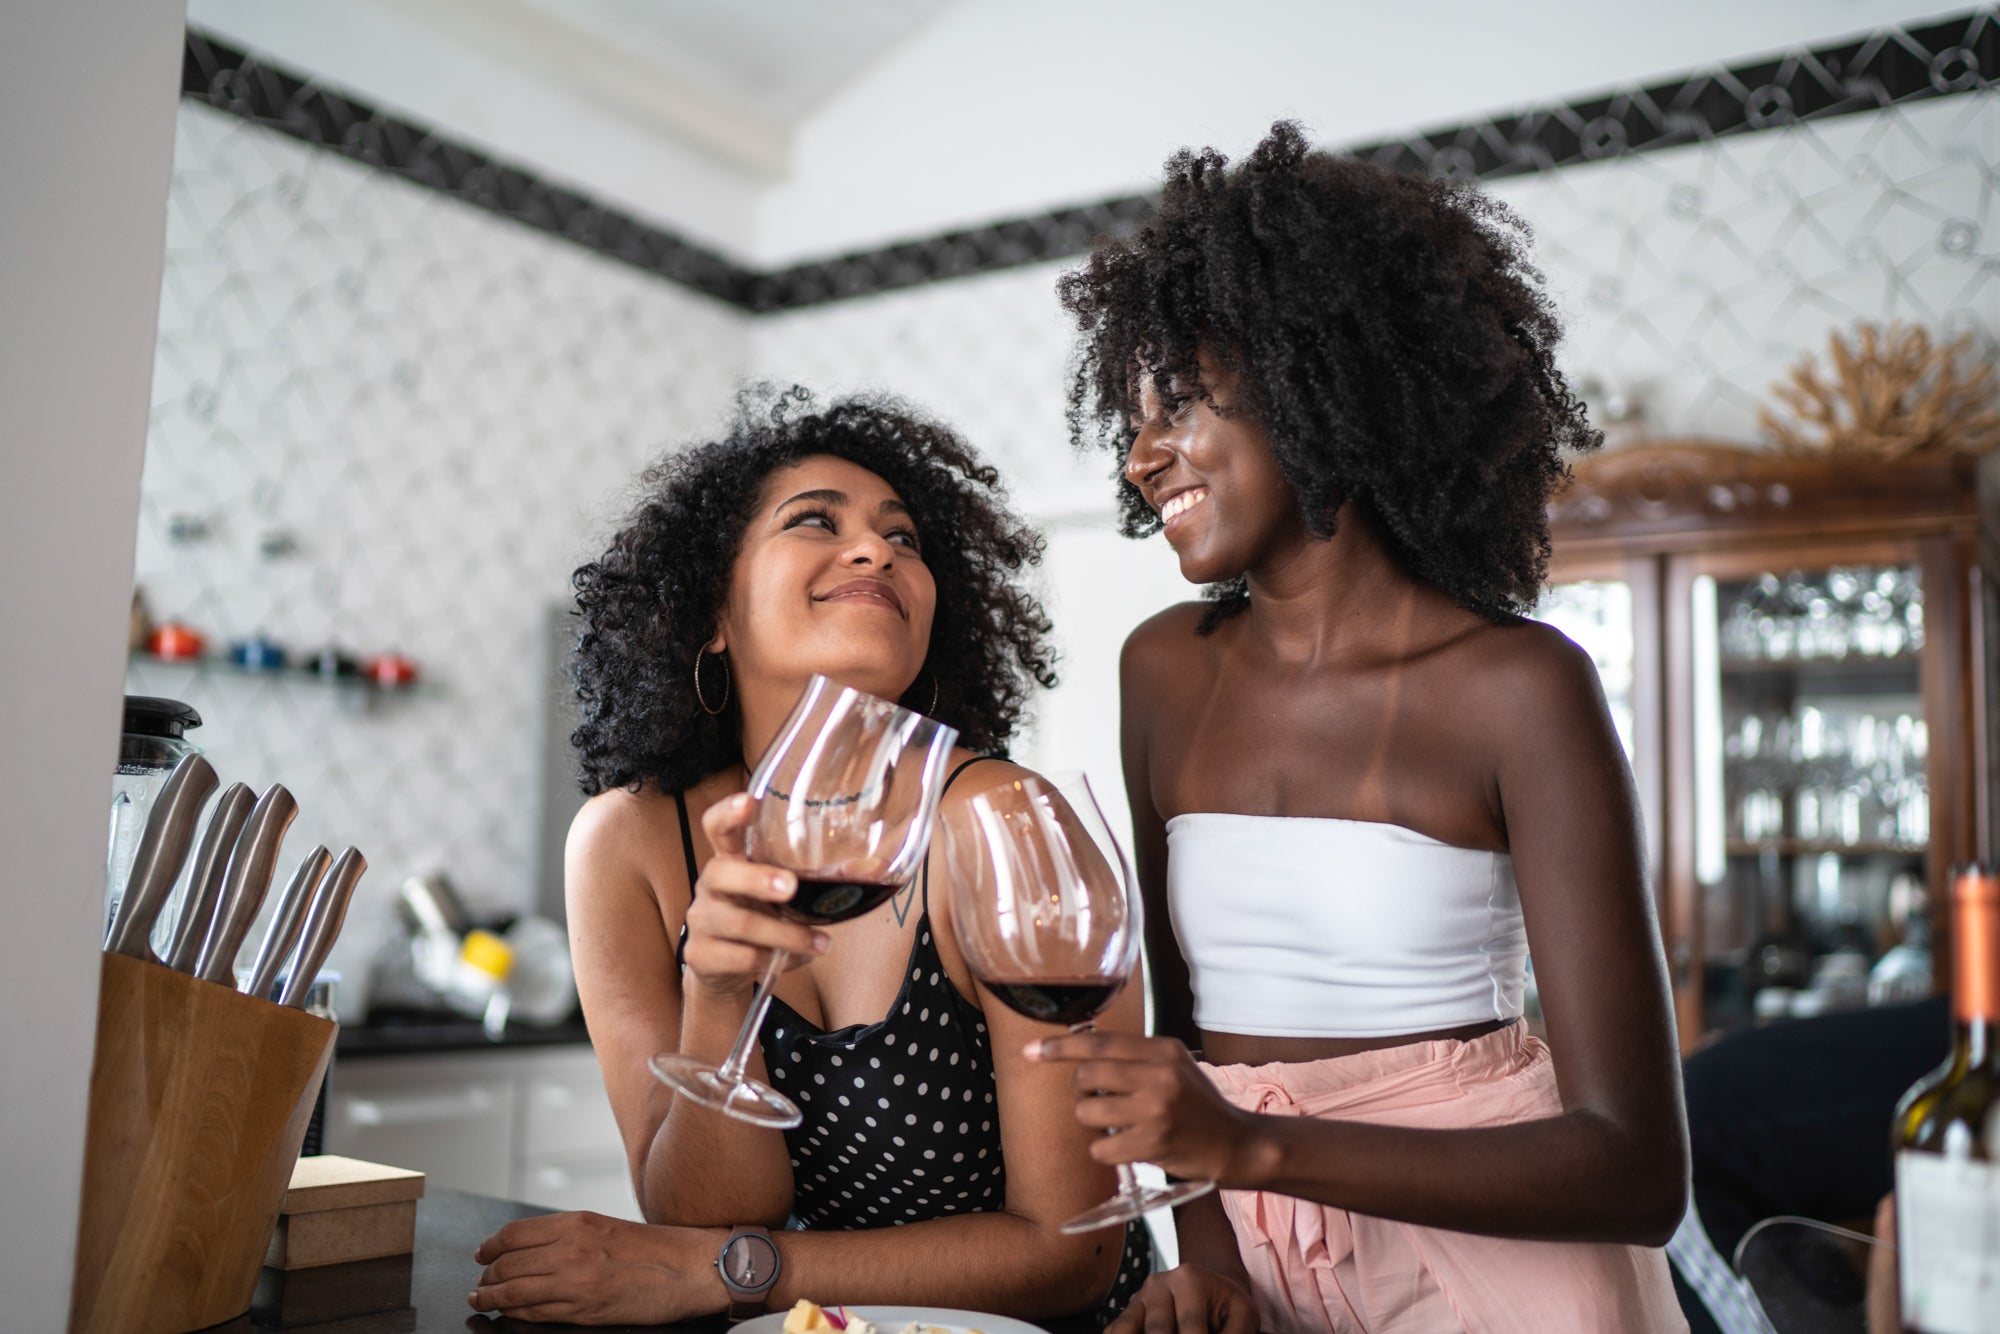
(782,59)
(734,78)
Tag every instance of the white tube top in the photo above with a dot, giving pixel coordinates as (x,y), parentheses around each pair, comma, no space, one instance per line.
(1304,927)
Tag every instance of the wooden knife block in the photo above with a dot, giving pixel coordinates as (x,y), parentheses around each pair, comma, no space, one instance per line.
(199,1099)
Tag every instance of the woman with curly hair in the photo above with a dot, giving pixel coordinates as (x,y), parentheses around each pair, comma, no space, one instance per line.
(1363,784)
(868,544)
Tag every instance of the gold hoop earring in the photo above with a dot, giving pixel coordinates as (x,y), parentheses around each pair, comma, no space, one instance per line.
(698,654)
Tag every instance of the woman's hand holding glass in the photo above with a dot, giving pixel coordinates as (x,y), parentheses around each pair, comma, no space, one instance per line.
(1158,1105)
(845,798)
(732,927)
(1045,910)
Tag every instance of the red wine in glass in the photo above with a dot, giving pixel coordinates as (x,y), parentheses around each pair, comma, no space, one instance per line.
(1068,1001)
(847,795)
(1046,911)
(821,902)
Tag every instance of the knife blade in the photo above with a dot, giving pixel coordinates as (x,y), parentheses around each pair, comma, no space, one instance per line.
(244,884)
(283,932)
(225,822)
(323,920)
(162,848)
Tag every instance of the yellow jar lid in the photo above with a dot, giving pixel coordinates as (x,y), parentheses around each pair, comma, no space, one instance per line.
(488,953)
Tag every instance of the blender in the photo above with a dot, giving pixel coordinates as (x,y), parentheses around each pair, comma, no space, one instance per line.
(154,741)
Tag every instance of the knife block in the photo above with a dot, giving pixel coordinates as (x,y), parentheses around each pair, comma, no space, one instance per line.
(199,1099)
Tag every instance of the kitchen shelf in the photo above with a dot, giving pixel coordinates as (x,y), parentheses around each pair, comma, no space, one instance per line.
(213,665)
(1813,847)
(1871,676)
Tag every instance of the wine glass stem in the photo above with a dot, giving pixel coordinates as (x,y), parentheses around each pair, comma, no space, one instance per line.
(1128,1180)
(737,1067)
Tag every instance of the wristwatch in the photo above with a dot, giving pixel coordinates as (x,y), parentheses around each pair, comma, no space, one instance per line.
(749,1266)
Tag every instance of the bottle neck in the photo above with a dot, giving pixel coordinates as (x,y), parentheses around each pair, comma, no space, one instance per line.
(1978,1043)
(1975,974)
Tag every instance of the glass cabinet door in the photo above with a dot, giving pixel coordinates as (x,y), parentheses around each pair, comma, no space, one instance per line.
(1810,801)
(1597,615)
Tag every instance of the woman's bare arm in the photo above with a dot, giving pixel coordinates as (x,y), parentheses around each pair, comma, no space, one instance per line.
(689,1165)
(1166,970)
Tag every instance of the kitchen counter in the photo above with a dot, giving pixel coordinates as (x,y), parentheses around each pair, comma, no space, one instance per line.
(420,1293)
(408,1036)
(424,1292)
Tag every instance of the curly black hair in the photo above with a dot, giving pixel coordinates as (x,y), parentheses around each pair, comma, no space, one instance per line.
(650,602)
(1388,333)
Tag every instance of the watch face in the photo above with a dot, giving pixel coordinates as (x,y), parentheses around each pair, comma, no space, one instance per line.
(750,1261)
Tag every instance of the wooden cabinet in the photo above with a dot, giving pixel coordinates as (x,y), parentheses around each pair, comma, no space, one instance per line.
(1801,657)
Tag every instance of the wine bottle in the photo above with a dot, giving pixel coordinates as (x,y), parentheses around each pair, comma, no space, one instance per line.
(1947,1140)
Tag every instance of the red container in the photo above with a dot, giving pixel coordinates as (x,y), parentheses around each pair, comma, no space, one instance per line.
(175,642)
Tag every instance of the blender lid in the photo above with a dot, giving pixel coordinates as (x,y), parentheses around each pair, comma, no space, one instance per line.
(150,715)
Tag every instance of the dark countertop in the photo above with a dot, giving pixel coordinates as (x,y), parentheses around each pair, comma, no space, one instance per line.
(424,1292)
(421,1293)
(411,1035)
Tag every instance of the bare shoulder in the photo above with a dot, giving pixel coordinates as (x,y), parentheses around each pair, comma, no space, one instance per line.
(1161,647)
(990,773)
(1520,670)
(617,823)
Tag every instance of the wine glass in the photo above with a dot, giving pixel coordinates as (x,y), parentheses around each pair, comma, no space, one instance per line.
(847,795)
(1045,910)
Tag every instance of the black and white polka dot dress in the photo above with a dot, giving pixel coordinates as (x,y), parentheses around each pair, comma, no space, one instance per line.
(901,1122)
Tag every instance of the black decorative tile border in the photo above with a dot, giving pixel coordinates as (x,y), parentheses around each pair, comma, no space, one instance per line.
(1888,68)
(1891,67)
(232,81)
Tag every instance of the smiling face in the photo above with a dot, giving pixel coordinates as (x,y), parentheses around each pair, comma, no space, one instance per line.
(1213,480)
(830,579)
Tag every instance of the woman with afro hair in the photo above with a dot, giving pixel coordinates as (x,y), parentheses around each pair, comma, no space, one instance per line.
(1363,784)
(860,541)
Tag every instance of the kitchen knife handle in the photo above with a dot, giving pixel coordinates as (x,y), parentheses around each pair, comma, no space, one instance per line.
(245,883)
(329,910)
(284,929)
(225,822)
(162,848)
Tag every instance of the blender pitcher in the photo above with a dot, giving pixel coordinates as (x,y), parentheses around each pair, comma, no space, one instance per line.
(153,743)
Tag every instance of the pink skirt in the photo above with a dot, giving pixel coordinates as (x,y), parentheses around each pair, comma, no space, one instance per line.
(1316,1268)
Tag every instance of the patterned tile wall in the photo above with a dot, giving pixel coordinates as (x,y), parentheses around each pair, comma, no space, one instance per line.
(1690,277)
(441,407)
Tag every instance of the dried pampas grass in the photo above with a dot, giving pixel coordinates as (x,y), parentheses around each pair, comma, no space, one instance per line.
(1893,394)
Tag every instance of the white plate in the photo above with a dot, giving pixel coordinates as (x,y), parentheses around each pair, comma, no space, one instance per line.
(890,1319)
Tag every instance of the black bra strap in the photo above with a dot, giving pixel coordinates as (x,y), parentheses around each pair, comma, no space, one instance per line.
(949,779)
(687,841)
(694,872)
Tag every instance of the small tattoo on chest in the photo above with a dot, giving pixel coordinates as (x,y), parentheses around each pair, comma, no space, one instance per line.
(902,900)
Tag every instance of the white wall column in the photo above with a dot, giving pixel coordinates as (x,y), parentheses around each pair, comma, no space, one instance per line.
(87,96)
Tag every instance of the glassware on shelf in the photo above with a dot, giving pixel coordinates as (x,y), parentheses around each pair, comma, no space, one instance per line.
(1848,611)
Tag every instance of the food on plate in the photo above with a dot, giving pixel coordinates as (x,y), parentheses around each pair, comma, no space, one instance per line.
(807,1318)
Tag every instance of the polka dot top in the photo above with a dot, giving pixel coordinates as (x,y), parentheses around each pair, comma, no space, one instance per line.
(901,1122)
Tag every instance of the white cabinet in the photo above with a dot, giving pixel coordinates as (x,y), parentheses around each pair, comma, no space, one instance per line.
(529,1124)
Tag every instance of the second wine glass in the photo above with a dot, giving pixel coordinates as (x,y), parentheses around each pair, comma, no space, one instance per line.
(847,795)
(1046,911)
